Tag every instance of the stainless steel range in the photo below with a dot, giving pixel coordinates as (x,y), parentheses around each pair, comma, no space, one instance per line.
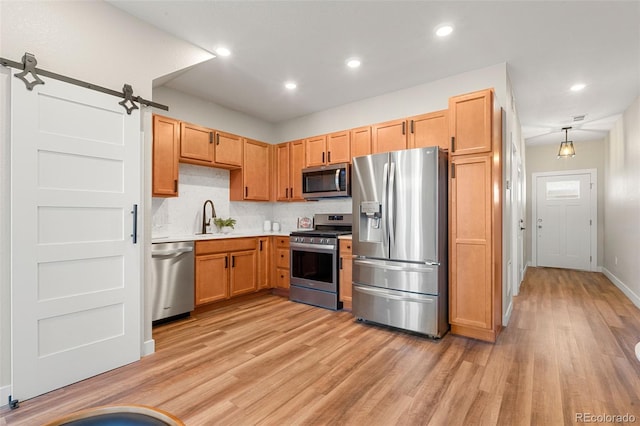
(314,261)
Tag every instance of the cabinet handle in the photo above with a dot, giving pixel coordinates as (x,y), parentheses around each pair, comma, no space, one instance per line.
(226,262)
(246,191)
(453,171)
(323,158)
(453,143)
(340,263)
(286,193)
(134,235)
(291,192)
(217,138)
(404,126)
(233,261)
(210,137)
(412,130)
(260,245)
(329,157)
(175,185)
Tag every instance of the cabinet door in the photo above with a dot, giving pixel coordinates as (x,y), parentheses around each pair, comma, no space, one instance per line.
(211,278)
(389,136)
(256,170)
(282,176)
(339,148)
(346,266)
(429,130)
(470,122)
(471,243)
(228,150)
(360,141)
(264,250)
(315,149)
(295,174)
(196,144)
(166,146)
(242,278)
(282,258)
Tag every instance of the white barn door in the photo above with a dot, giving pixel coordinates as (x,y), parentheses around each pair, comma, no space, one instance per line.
(76,282)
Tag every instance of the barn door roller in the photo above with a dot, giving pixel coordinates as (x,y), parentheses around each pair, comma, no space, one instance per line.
(30,75)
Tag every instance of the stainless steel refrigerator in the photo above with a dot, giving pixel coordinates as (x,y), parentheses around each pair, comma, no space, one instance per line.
(400,240)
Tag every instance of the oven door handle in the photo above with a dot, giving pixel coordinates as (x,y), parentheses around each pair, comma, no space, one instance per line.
(315,247)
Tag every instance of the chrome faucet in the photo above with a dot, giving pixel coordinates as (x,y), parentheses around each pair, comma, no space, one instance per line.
(206,222)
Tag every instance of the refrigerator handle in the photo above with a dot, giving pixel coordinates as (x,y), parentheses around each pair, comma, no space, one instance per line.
(385,215)
(392,216)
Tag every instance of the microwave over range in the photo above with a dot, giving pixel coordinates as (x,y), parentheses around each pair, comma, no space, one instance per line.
(333,180)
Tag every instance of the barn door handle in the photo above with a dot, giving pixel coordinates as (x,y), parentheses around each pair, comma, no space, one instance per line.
(134,235)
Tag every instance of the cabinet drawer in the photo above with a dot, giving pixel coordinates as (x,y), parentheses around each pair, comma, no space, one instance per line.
(282,242)
(226,245)
(282,258)
(345,247)
(282,278)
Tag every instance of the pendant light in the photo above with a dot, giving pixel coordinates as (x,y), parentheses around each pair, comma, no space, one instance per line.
(566,147)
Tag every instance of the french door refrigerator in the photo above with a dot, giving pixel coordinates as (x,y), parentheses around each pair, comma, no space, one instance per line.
(400,240)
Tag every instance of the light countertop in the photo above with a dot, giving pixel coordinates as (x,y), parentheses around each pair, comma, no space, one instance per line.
(217,236)
(344,237)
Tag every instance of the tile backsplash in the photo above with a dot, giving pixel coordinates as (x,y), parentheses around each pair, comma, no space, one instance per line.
(183,215)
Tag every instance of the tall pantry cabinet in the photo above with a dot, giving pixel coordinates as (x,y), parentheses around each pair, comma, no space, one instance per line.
(475,215)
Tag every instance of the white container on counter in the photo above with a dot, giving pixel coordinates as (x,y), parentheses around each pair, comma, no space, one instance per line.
(267,225)
(276,227)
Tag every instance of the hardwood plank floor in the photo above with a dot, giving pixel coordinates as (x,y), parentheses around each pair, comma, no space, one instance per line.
(568,349)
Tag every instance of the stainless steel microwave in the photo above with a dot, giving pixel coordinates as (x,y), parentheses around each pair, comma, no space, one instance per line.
(329,181)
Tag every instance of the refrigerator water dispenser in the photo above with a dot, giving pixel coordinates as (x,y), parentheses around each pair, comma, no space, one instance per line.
(370,220)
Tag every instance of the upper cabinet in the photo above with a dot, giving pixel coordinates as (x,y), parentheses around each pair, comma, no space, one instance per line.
(166,146)
(196,144)
(361,141)
(470,123)
(429,130)
(333,148)
(315,151)
(339,147)
(289,162)
(228,150)
(208,147)
(389,136)
(251,182)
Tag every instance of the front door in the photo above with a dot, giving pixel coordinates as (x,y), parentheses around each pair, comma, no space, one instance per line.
(563,220)
(76,282)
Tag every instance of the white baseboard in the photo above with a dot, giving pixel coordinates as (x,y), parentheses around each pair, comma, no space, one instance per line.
(5,391)
(148,347)
(507,315)
(622,286)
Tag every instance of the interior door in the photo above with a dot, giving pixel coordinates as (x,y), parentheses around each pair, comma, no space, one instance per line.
(563,222)
(75,161)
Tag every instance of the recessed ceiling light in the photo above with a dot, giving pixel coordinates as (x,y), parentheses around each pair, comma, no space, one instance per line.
(223,51)
(578,87)
(290,85)
(353,63)
(444,30)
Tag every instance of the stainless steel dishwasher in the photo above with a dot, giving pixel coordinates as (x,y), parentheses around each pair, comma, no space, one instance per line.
(172,279)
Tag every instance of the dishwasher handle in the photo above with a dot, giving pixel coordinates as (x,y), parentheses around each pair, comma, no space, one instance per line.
(178,251)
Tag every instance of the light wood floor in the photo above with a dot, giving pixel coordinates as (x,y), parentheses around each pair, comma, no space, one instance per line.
(568,349)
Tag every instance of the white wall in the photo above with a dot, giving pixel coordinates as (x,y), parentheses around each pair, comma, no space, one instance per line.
(543,158)
(622,203)
(97,43)
(415,100)
(198,111)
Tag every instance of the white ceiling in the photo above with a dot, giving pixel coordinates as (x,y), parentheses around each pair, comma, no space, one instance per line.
(547,45)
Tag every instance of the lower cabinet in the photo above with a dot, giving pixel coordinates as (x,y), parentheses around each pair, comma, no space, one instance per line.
(281,262)
(225,268)
(346,263)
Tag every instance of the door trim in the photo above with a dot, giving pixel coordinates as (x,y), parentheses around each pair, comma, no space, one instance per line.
(593,210)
